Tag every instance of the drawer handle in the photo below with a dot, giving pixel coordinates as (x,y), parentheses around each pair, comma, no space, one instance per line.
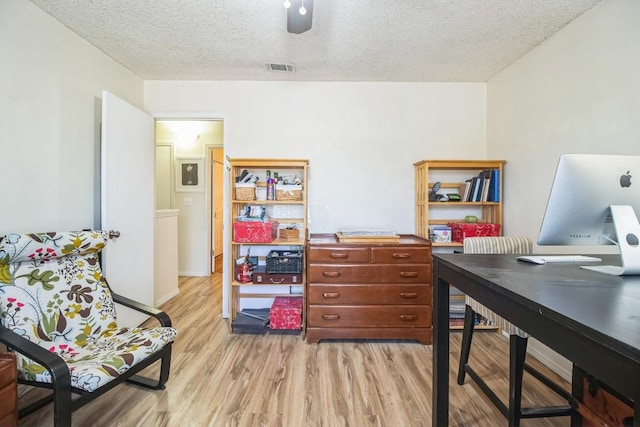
(331,273)
(331,295)
(409,273)
(337,255)
(409,294)
(403,255)
(276,281)
(331,316)
(408,317)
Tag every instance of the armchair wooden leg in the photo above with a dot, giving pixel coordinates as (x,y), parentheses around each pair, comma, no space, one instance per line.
(62,400)
(518,352)
(62,409)
(165,367)
(467,335)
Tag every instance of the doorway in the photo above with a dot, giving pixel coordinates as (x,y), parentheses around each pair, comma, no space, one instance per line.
(194,141)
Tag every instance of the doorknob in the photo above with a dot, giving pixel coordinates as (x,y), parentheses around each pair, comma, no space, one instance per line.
(114,234)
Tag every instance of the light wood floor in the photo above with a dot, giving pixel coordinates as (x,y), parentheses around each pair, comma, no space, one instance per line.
(223,379)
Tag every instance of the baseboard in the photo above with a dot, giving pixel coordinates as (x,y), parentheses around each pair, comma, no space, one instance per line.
(192,273)
(167,297)
(550,358)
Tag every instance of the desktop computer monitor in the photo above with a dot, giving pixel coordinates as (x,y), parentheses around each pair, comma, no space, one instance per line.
(593,201)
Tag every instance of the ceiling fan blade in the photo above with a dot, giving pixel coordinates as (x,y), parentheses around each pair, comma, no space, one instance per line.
(297,23)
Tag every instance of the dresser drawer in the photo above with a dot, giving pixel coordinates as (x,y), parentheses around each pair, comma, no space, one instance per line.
(8,372)
(8,390)
(345,274)
(372,316)
(339,255)
(400,255)
(369,294)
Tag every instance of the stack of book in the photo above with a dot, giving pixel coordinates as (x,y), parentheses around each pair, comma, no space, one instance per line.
(482,188)
(456,307)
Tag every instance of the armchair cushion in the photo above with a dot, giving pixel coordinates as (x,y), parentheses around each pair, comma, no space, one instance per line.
(52,292)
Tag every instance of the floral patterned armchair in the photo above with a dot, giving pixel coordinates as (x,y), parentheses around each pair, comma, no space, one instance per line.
(58,315)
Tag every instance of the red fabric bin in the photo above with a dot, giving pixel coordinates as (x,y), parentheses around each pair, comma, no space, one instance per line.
(255,231)
(286,313)
(460,230)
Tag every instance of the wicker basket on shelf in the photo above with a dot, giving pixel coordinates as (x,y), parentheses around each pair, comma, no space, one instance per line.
(245,191)
(288,192)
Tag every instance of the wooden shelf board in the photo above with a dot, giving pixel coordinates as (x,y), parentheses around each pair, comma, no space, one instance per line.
(464,203)
(449,245)
(236,283)
(248,295)
(269,202)
(287,220)
(277,242)
(461,164)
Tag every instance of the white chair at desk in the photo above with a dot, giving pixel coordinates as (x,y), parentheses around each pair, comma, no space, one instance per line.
(517,339)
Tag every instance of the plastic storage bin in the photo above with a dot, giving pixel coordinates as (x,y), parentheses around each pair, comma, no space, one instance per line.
(284,262)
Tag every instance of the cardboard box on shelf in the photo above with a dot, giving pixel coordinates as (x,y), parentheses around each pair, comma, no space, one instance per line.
(289,234)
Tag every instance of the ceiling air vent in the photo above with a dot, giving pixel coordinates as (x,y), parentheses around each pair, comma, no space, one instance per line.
(287,68)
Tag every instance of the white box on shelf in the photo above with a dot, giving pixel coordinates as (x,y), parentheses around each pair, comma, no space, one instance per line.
(441,235)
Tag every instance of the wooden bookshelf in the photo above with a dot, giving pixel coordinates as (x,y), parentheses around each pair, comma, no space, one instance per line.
(452,176)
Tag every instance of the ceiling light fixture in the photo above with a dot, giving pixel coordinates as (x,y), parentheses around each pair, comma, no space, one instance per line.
(299,15)
(301,11)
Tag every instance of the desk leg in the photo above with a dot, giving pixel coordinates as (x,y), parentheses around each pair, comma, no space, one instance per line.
(440,397)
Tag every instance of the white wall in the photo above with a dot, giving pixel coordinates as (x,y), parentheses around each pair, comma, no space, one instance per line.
(361,138)
(578,92)
(165,256)
(50,87)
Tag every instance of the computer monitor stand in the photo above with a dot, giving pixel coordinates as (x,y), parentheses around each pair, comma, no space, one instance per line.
(627,233)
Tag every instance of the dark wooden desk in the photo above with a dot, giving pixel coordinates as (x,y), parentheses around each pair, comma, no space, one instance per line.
(590,318)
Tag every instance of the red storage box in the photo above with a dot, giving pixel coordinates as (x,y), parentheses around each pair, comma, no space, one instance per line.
(255,231)
(460,230)
(286,313)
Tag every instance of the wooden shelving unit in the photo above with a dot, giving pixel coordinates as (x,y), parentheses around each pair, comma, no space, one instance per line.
(428,172)
(284,212)
(452,174)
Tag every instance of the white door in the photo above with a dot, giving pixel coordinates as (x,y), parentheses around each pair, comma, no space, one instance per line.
(128,202)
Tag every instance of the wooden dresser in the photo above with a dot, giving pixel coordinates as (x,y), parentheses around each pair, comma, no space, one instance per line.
(368,290)
(598,404)
(8,390)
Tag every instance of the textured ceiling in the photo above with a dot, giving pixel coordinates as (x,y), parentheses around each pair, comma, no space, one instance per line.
(351,40)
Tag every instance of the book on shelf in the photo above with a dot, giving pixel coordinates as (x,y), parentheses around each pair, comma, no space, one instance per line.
(477,192)
(494,186)
(485,190)
(484,177)
(456,322)
(485,187)
(459,321)
(467,190)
